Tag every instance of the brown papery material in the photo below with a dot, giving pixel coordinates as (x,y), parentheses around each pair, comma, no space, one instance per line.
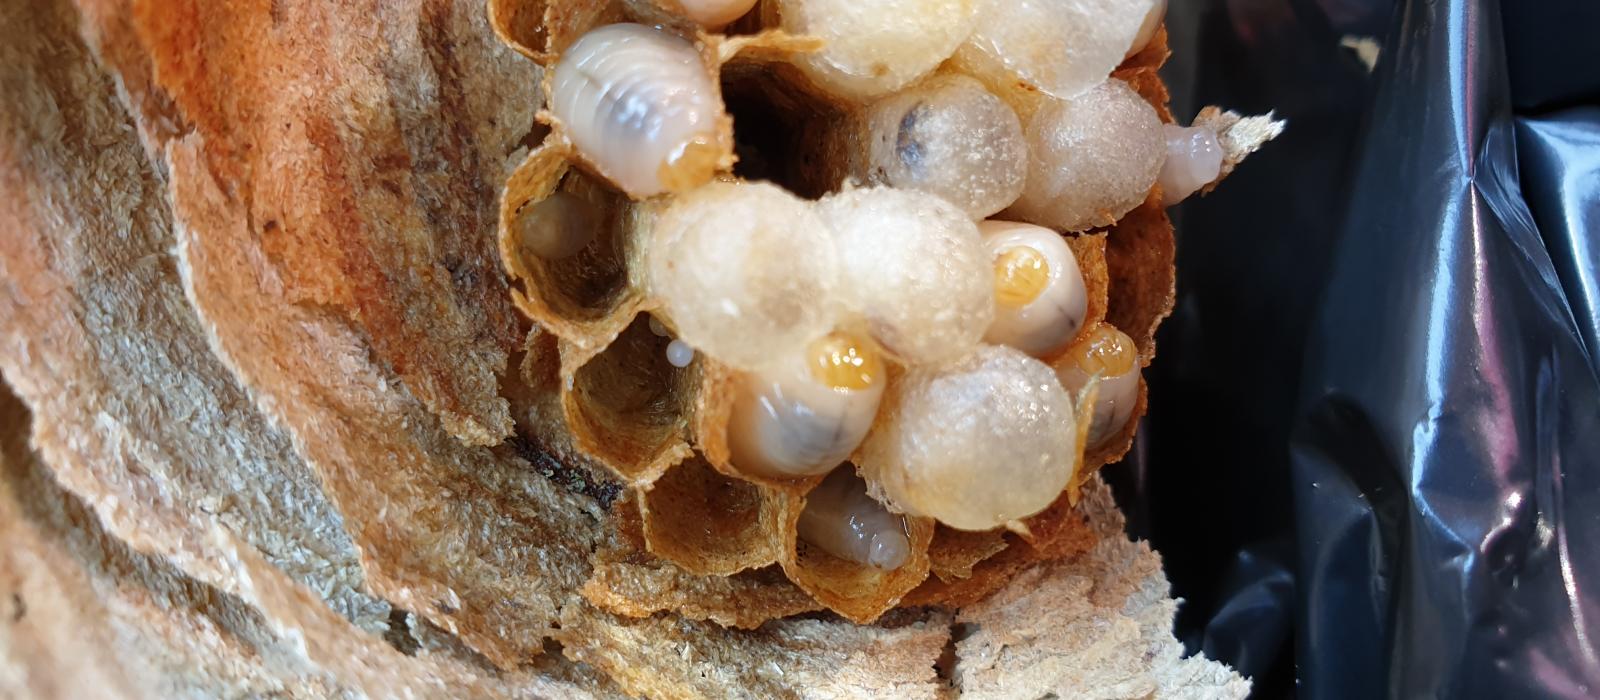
(225,472)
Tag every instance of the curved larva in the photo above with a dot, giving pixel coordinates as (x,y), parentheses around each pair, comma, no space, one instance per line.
(842,520)
(558,227)
(1110,355)
(807,415)
(1040,298)
(641,107)
(1194,160)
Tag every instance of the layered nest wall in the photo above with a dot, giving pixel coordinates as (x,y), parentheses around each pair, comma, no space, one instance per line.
(277,422)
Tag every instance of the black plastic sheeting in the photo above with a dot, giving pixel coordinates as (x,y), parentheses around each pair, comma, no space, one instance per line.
(1372,460)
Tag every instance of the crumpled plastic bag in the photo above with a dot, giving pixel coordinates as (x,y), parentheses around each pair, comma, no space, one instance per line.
(1391,332)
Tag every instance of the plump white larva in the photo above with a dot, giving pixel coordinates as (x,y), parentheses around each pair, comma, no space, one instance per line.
(558,227)
(875,48)
(1060,47)
(746,271)
(842,520)
(1147,30)
(641,106)
(980,443)
(914,268)
(950,137)
(805,416)
(1109,354)
(712,13)
(1194,160)
(1091,159)
(1040,301)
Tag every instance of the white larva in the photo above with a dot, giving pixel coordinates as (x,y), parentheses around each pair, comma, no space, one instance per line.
(950,137)
(1194,160)
(641,107)
(558,227)
(977,444)
(805,416)
(1110,355)
(843,520)
(659,328)
(1092,158)
(1040,298)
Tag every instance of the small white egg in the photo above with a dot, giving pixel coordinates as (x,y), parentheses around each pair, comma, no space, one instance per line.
(558,227)
(747,272)
(679,353)
(1040,300)
(640,104)
(914,268)
(977,444)
(1092,158)
(1194,160)
(843,520)
(1111,355)
(950,137)
(805,416)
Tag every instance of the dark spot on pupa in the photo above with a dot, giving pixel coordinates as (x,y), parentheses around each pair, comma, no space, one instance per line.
(907,148)
(19,609)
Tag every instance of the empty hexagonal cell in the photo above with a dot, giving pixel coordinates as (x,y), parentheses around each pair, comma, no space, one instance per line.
(709,523)
(628,406)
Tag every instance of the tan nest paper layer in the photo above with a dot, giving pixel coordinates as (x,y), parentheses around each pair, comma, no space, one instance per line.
(259,361)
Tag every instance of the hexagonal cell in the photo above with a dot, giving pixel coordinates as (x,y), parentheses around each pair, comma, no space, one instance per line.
(566,238)
(709,523)
(540,29)
(859,591)
(628,406)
